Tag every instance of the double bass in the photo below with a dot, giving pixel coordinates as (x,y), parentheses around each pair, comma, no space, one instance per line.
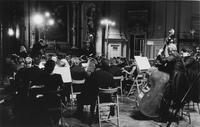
(150,104)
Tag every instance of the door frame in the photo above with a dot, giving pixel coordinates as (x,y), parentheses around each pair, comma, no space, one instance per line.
(129,43)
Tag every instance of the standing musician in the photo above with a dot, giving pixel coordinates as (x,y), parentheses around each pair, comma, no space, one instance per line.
(163,52)
(170,62)
(192,65)
(170,39)
(175,68)
(38,49)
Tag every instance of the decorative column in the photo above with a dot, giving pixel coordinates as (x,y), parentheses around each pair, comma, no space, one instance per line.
(27,24)
(68,25)
(107,23)
(99,42)
(74,26)
(77,25)
(1,55)
(106,41)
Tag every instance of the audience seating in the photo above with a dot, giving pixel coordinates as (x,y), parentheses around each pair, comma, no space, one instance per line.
(198,107)
(52,109)
(74,92)
(101,105)
(185,111)
(120,79)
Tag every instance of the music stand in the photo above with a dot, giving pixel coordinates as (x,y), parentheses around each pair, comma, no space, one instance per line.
(142,63)
(64,72)
(143,66)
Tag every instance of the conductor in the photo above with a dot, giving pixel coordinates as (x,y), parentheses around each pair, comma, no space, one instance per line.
(38,48)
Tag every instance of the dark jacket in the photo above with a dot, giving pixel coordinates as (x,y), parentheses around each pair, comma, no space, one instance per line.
(175,67)
(115,70)
(78,73)
(22,80)
(38,76)
(192,72)
(52,82)
(98,79)
(38,49)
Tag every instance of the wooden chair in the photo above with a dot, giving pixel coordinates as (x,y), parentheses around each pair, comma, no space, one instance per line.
(101,105)
(120,79)
(59,108)
(73,93)
(48,99)
(185,111)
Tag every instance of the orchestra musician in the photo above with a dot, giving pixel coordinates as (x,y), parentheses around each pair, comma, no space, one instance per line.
(175,68)
(38,49)
(192,66)
(163,52)
(170,39)
(164,90)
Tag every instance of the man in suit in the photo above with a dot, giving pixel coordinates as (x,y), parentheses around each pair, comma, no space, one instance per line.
(24,76)
(22,83)
(101,78)
(77,72)
(53,86)
(38,49)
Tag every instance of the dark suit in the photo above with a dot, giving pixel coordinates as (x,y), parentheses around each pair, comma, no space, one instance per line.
(51,99)
(37,76)
(192,70)
(22,80)
(98,79)
(78,73)
(115,70)
(27,77)
(53,81)
(175,68)
(38,49)
(22,99)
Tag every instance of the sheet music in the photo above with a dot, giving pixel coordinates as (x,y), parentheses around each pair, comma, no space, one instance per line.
(64,72)
(142,63)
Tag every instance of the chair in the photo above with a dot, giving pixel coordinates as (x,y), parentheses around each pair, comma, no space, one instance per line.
(119,78)
(51,109)
(101,105)
(197,106)
(185,111)
(73,93)
(50,100)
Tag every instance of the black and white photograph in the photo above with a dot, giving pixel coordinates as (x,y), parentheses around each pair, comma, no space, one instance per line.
(99,63)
